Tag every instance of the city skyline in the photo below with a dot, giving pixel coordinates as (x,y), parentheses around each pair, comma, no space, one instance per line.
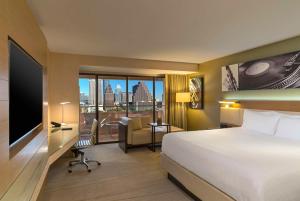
(84,86)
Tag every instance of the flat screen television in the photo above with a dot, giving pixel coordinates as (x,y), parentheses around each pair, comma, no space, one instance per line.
(25,94)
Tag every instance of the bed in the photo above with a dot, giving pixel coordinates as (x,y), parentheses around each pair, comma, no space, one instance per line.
(234,164)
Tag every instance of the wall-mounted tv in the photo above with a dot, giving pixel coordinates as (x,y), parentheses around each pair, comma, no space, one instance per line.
(25,94)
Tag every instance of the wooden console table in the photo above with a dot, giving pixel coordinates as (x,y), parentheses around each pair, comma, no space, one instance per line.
(60,141)
(28,184)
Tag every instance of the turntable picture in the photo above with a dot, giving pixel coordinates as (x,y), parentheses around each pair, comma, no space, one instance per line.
(277,72)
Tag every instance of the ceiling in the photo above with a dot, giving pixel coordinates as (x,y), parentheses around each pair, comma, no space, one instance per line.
(170,30)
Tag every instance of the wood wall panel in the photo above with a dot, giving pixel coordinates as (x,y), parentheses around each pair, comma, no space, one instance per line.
(293,106)
(4,111)
(3,90)
(23,28)
(14,167)
(25,184)
(3,26)
(3,59)
(4,156)
(17,22)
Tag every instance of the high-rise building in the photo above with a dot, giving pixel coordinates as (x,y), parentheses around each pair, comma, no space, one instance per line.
(105,83)
(108,96)
(141,94)
(92,92)
(123,97)
(84,99)
(129,97)
(118,94)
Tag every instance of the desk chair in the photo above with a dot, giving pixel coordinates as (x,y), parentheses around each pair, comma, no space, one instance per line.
(85,141)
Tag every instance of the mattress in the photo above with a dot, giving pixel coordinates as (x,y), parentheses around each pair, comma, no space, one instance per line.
(246,165)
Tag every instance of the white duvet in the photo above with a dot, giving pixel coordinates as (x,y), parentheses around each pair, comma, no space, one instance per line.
(244,164)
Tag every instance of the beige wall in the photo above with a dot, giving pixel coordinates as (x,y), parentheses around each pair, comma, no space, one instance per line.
(63,74)
(209,117)
(17,22)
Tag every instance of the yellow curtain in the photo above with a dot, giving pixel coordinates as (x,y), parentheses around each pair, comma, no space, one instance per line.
(176,113)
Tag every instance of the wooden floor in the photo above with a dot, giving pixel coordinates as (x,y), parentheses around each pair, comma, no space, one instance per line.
(136,176)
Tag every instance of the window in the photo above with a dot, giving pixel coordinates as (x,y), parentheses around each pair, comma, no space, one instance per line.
(114,97)
(87,102)
(140,95)
(112,105)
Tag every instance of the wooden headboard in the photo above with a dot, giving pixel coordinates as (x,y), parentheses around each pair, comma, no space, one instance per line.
(234,115)
(292,106)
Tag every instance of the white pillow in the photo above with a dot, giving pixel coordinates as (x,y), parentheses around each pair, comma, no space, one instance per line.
(264,122)
(289,127)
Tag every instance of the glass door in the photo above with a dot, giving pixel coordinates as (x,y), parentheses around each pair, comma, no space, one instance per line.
(108,98)
(140,96)
(112,105)
(87,88)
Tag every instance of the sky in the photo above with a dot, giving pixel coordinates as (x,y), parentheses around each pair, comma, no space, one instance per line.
(84,86)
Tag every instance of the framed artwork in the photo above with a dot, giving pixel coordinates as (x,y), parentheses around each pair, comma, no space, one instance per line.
(196,86)
(277,72)
(230,81)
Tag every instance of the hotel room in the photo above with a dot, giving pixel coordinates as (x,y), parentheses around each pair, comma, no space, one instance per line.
(149,100)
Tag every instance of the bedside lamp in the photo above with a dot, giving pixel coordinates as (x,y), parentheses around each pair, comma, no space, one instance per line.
(62,112)
(183,97)
(230,113)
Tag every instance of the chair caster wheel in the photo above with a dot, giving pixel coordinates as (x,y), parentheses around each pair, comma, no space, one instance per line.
(70,171)
(89,170)
(70,165)
(98,163)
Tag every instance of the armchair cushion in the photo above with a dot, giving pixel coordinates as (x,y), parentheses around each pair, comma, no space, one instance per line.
(145,121)
(143,136)
(143,131)
(136,123)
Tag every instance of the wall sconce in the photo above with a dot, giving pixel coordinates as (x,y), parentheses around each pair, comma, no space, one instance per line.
(227,104)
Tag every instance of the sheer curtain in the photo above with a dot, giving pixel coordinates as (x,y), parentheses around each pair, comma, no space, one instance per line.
(174,84)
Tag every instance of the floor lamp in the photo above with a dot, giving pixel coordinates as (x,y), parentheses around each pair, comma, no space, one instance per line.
(183,97)
(62,112)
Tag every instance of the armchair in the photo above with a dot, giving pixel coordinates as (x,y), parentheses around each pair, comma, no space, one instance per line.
(135,131)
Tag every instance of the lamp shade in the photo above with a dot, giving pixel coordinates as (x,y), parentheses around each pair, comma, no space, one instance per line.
(183,97)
